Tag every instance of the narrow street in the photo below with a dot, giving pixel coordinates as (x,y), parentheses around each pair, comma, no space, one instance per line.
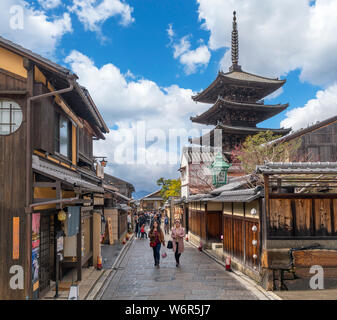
(198,277)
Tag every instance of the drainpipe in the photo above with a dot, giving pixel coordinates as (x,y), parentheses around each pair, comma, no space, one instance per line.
(28,209)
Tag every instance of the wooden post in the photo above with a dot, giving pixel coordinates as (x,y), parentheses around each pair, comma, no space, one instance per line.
(266,212)
(29,66)
(91,221)
(205,222)
(244,233)
(232,225)
(79,250)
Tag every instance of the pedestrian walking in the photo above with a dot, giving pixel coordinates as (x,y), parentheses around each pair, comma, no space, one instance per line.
(129,222)
(178,235)
(136,225)
(155,218)
(166,225)
(157,239)
(143,232)
(140,222)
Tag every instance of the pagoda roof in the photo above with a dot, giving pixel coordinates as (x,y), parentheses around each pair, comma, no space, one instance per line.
(221,106)
(245,131)
(261,86)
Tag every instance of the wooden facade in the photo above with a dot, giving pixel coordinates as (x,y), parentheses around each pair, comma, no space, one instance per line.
(152,202)
(12,189)
(231,224)
(239,233)
(319,141)
(300,215)
(37,177)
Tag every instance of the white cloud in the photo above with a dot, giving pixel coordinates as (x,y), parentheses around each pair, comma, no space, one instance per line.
(191,59)
(277,36)
(123,101)
(170,31)
(49,4)
(320,108)
(39,32)
(93,14)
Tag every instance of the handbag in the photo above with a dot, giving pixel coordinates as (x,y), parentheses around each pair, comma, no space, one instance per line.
(152,244)
(169,245)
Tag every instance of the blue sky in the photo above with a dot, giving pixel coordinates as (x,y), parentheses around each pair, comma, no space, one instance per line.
(142,60)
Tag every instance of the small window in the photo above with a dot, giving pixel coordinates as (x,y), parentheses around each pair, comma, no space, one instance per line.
(10,117)
(62,135)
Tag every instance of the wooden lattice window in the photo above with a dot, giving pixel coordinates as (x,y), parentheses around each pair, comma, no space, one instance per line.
(10,117)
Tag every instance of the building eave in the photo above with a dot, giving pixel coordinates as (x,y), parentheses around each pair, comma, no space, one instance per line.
(266,84)
(221,106)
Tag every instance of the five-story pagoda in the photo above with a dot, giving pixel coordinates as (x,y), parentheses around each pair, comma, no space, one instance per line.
(237,103)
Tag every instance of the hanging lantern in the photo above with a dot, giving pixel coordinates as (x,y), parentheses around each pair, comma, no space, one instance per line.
(61,215)
(103,162)
(219,169)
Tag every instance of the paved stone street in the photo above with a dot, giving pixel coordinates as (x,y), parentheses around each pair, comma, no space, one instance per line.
(198,277)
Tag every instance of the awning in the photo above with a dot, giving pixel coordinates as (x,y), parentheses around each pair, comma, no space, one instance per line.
(64,175)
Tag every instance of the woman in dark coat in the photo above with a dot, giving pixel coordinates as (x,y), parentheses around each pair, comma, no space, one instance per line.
(156,236)
(136,226)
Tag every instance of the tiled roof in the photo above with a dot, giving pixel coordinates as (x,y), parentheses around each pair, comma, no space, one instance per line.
(245,76)
(302,131)
(222,106)
(149,196)
(297,167)
(197,154)
(246,195)
(63,174)
(121,196)
(233,184)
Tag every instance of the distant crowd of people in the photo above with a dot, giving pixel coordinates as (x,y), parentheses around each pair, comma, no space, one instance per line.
(142,220)
(154,220)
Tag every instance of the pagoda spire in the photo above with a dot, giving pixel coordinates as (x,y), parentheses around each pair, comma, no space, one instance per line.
(235,46)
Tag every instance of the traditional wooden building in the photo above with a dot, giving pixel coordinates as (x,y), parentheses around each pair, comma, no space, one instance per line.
(273,233)
(318,141)
(298,225)
(117,206)
(237,104)
(123,187)
(51,198)
(151,202)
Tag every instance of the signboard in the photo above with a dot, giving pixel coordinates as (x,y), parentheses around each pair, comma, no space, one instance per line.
(110,230)
(35,250)
(16,238)
(59,244)
(99,170)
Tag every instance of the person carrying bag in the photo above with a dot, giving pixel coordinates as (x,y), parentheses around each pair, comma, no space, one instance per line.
(156,236)
(178,235)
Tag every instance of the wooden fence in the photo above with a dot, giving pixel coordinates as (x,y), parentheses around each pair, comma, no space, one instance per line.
(302,216)
(241,233)
(122,223)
